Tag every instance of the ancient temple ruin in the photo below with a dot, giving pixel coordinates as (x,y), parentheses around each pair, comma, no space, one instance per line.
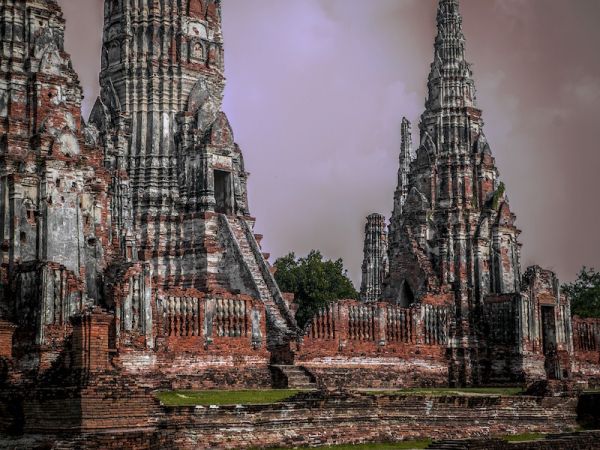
(142,212)
(453,238)
(454,304)
(129,264)
(128,250)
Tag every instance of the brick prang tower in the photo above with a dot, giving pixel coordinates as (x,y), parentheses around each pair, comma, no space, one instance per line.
(178,175)
(54,206)
(375,260)
(454,233)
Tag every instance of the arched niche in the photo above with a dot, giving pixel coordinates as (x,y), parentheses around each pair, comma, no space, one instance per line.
(406,296)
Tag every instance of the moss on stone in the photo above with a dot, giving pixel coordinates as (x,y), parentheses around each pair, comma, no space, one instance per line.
(503,391)
(526,437)
(218,397)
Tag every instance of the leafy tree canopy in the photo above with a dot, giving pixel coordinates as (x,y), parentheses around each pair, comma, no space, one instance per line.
(314,282)
(585,293)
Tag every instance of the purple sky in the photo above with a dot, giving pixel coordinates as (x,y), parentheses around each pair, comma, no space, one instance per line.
(317,90)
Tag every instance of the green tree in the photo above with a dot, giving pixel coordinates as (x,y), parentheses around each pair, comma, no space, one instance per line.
(585,293)
(314,282)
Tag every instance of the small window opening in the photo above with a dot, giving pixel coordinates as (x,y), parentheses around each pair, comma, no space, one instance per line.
(23,237)
(223,192)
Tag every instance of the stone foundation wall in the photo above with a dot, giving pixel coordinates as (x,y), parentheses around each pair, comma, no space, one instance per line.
(310,419)
(576,441)
(201,369)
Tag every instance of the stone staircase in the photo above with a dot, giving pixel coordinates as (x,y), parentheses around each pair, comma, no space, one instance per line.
(296,377)
(278,317)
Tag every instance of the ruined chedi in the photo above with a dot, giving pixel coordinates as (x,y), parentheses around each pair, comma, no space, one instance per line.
(452,236)
(141,213)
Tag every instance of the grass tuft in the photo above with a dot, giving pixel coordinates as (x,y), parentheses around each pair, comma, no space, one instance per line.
(504,391)
(526,437)
(220,398)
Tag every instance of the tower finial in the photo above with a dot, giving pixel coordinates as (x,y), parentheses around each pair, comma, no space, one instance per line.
(449,64)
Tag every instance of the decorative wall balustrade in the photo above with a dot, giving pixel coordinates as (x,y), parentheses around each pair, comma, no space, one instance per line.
(400,325)
(361,322)
(179,316)
(132,297)
(323,324)
(586,335)
(435,325)
(382,323)
(231,318)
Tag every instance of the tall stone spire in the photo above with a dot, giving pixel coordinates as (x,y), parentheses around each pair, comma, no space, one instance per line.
(450,83)
(404,170)
(455,234)
(375,259)
(179,179)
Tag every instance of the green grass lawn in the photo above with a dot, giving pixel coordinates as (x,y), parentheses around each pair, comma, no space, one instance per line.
(408,445)
(207,398)
(524,437)
(505,391)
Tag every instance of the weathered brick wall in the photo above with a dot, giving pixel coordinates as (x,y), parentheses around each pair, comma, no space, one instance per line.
(7,331)
(576,441)
(201,341)
(350,344)
(311,419)
(90,341)
(586,356)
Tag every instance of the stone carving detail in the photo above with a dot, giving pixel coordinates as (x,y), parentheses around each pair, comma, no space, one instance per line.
(180,317)
(361,324)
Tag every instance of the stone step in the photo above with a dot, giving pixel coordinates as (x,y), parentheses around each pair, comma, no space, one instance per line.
(251,262)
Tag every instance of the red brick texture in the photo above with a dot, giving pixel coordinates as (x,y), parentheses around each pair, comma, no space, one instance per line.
(310,419)
(90,341)
(352,344)
(7,331)
(586,343)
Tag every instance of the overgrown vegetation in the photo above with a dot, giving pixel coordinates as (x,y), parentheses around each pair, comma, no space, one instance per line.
(585,293)
(498,195)
(503,391)
(207,398)
(314,281)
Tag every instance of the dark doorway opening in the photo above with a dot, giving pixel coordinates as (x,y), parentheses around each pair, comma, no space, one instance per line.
(552,364)
(406,298)
(223,192)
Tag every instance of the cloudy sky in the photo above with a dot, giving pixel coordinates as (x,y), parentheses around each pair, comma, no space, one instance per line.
(317,90)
